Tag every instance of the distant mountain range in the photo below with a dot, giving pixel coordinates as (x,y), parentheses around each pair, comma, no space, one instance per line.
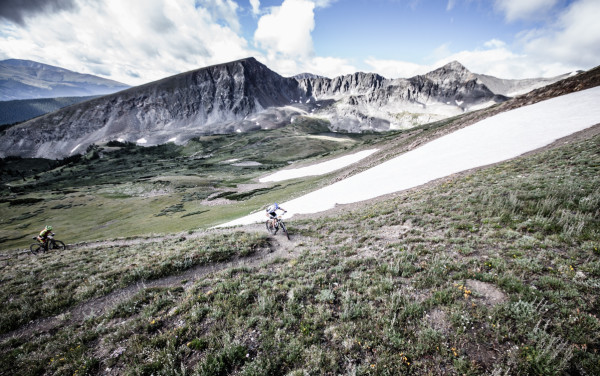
(15,111)
(245,95)
(26,79)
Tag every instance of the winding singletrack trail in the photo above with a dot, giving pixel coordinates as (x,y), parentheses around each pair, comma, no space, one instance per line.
(279,247)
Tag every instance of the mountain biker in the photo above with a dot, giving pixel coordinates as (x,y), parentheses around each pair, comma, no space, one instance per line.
(43,236)
(272,212)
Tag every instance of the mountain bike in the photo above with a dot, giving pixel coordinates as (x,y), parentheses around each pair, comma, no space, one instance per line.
(49,245)
(278,224)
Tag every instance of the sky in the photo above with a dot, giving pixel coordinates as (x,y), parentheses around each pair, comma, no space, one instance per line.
(139,41)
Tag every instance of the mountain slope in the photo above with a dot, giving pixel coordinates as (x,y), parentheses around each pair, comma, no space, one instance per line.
(511,88)
(26,79)
(203,101)
(24,109)
(245,95)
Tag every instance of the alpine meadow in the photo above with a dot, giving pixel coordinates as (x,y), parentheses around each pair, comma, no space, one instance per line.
(493,270)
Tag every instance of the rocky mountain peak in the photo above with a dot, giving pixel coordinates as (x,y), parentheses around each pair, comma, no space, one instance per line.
(306,75)
(454,65)
(453,71)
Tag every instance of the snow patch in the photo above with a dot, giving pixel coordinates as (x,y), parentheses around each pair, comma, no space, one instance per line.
(172,139)
(247,164)
(495,139)
(238,131)
(142,141)
(319,168)
(75,148)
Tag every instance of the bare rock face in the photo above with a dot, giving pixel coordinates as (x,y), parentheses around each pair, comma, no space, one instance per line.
(245,95)
(215,99)
(367,101)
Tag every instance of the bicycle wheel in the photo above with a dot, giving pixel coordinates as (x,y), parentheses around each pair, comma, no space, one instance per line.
(57,244)
(270,227)
(284,229)
(35,248)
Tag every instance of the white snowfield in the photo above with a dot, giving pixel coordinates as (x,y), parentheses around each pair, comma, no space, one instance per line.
(319,168)
(495,139)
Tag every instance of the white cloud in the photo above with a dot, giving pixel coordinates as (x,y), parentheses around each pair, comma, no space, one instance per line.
(225,10)
(440,52)
(573,41)
(132,41)
(323,66)
(395,68)
(323,3)
(255,6)
(286,30)
(329,66)
(568,42)
(136,41)
(523,9)
(284,33)
(494,43)
(496,60)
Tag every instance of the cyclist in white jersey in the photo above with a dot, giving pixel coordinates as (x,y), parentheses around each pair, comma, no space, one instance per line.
(272,212)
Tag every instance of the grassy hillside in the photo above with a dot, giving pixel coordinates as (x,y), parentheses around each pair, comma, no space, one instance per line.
(127,190)
(496,272)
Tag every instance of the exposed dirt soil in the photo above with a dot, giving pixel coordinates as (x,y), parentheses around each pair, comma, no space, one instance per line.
(488,293)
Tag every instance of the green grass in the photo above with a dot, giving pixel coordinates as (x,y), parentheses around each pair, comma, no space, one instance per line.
(491,272)
(40,286)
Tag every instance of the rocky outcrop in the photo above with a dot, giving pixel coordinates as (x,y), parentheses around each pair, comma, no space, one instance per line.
(245,95)
(367,101)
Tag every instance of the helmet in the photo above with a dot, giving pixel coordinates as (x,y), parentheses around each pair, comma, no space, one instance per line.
(49,228)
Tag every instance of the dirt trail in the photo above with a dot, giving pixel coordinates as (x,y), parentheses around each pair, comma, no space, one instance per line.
(279,246)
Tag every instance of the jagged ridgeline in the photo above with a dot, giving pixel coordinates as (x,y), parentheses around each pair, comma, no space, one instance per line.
(245,95)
